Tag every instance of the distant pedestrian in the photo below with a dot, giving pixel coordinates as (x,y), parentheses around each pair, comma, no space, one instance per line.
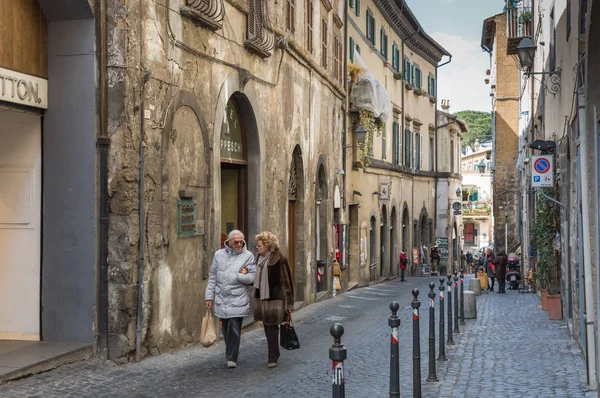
(469,257)
(231,271)
(274,291)
(435,258)
(488,264)
(500,267)
(403,264)
(463,261)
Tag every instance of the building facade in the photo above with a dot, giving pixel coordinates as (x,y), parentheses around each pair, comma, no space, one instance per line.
(392,177)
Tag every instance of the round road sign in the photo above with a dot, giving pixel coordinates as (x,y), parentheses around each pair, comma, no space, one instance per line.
(541,165)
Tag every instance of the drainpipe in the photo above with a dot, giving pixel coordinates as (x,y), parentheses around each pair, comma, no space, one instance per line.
(142,190)
(435,137)
(587,259)
(344,138)
(102,144)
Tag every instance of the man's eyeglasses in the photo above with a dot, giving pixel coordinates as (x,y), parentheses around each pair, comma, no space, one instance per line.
(237,242)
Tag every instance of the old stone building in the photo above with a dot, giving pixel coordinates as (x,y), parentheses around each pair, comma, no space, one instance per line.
(505,129)
(392,173)
(239,126)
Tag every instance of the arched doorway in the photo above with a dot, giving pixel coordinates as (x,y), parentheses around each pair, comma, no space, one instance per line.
(321,228)
(393,252)
(373,248)
(383,257)
(406,229)
(296,243)
(236,174)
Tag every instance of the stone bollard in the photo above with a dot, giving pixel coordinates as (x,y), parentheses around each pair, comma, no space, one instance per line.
(470,305)
(475,286)
(337,354)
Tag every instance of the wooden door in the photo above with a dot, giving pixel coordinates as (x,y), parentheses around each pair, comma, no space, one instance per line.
(292,236)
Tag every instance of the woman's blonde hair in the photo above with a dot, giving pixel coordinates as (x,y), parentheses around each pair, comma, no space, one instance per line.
(268,239)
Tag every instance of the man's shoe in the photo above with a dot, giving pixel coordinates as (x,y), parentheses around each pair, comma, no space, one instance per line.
(272,364)
(231,364)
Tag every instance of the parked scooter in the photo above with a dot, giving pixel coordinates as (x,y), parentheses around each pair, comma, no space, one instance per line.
(513,271)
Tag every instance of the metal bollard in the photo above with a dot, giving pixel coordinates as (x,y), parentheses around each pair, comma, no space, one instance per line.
(394,323)
(416,346)
(450,340)
(456,329)
(432,376)
(462,298)
(442,354)
(337,354)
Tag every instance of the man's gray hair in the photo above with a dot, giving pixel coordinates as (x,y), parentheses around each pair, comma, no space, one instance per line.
(235,232)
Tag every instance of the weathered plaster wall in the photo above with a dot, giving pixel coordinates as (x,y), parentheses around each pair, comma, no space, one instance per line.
(194,74)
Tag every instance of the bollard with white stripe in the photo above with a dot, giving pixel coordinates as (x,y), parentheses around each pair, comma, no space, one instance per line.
(456,329)
(432,376)
(337,354)
(462,298)
(450,339)
(416,345)
(394,323)
(442,354)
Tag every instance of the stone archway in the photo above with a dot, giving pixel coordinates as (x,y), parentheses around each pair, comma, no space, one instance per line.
(372,247)
(383,244)
(296,237)
(406,229)
(321,229)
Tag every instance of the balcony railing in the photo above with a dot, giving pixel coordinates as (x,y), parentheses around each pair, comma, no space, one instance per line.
(519,23)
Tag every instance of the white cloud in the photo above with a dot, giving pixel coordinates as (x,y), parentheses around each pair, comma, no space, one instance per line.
(462,80)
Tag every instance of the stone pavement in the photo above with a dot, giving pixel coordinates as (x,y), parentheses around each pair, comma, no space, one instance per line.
(505,352)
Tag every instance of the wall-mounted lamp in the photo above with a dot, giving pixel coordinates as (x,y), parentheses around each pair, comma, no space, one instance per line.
(361,136)
(458,192)
(481,167)
(526,53)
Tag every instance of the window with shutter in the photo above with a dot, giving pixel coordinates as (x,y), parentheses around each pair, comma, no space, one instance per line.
(351,3)
(407,150)
(395,145)
(418,77)
(290,16)
(260,39)
(340,62)
(324,43)
(351,49)
(384,142)
(406,69)
(357,8)
(395,59)
(412,74)
(418,151)
(309,25)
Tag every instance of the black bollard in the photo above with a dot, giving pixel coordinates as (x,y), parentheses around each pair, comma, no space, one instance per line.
(442,354)
(337,354)
(462,298)
(416,346)
(394,323)
(456,329)
(450,339)
(432,376)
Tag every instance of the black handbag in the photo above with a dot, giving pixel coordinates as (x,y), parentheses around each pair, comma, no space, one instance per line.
(288,338)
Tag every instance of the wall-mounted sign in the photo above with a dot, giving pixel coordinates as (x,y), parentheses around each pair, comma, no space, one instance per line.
(542,174)
(442,243)
(232,136)
(186,218)
(23,89)
(384,190)
(363,243)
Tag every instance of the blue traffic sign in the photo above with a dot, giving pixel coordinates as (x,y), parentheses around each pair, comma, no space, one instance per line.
(541,165)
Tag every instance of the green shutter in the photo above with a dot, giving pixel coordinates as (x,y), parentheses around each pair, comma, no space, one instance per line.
(357,9)
(351,3)
(351,49)
(395,143)
(384,142)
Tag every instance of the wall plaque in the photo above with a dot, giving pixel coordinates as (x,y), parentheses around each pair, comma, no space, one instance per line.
(186,218)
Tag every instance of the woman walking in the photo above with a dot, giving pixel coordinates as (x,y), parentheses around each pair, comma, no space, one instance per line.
(274,291)
(231,271)
(488,263)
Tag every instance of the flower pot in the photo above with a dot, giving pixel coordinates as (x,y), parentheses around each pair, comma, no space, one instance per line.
(544,296)
(554,307)
(487,81)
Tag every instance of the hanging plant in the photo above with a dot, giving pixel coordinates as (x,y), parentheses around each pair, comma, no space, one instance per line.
(374,127)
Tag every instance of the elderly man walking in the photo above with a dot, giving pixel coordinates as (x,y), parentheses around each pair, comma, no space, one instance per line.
(232,272)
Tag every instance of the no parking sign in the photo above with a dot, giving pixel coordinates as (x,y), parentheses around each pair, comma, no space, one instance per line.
(542,171)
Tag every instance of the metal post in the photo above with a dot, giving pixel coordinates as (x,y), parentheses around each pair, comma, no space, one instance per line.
(442,354)
(450,340)
(462,298)
(432,376)
(456,329)
(416,346)
(337,354)
(394,323)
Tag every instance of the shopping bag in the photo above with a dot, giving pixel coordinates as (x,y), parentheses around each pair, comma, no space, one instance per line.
(288,338)
(208,335)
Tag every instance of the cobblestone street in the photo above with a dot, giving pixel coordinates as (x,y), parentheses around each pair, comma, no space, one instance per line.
(510,350)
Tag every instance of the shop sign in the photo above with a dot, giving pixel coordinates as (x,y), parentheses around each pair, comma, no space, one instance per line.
(23,89)
(186,218)
(442,243)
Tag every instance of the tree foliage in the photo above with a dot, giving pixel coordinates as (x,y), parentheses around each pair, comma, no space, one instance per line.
(480,126)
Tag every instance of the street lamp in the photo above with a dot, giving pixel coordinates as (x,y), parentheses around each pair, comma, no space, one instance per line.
(361,135)
(481,167)
(458,192)
(526,53)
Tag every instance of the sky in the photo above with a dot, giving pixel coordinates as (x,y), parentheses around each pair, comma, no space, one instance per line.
(457,25)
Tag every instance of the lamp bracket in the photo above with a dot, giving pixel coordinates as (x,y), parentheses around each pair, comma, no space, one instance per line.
(553,87)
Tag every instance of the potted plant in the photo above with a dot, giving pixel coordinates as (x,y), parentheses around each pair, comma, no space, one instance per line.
(354,71)
(524,18)
(487,81)
(374,128)
(397,76)
(408,86)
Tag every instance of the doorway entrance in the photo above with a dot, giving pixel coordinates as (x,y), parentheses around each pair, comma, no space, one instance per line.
(20,225)
(296,242)
(233,172)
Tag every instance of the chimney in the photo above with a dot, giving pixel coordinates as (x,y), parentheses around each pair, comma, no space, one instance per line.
(445,105)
